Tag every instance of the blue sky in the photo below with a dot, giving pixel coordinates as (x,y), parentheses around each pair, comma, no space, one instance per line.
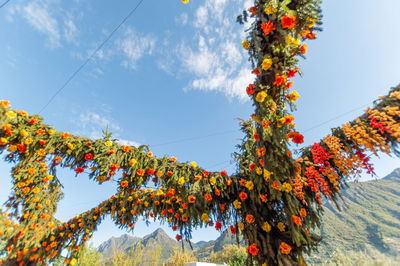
(174,72)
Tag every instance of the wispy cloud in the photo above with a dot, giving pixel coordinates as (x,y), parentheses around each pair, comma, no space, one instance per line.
(49,19)
(134,46)
(92,124)
(39,17)
(215,61)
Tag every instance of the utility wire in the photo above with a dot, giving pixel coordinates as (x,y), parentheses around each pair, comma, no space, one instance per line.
(336,117)
(194,138)
(5,3)
(91,56)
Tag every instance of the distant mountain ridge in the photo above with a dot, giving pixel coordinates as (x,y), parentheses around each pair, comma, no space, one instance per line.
(370,218)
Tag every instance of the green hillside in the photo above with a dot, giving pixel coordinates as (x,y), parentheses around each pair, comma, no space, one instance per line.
(369,220)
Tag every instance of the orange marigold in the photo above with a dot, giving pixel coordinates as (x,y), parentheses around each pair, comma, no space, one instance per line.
(250,218)
(285,248)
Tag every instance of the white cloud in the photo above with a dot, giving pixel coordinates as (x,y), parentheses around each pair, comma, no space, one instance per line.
(134,46)
(216,61)
(70,31)
(38,16)
(91,124)
(182,19)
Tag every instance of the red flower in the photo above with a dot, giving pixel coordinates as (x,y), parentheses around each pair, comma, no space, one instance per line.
(256,71)
(303,48)
(218,225)
(233,230)
(291,73)
(208,197)
(171,192)
(243,196)
(89,157)
(223,173)
(250,89)
(279,80)
(33,121)
(253,10)
(114,167)
(252,166)
(21,148)
(296,220)
(288,22)
(298,138)
(178,237)
(151,171)
(79,170)
(205,174)
(169,173)
(253,250)
(267,27)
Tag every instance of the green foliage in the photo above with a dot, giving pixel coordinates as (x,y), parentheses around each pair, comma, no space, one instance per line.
(233,255)
(86,256)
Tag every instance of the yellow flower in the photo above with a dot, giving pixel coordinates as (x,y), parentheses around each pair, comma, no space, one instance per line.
(11,115)
(204,217)
(146,204)
(132,162)
(108,143)
(185,1)
(213,181)
(12,148)
(241,226)
(3,141)
(287,187)
(293,96)
(181,181)
(261,96)
(292,41)
(270,9)
(266,64)
(237,204)
(23,113)
(23,133)
(51,131)
(246,44)
(281,226)
(70,146)
(150,190)
(149,154)
(250,185)
(72,262)
(259,171)
(193,164)
(267,174)
(28,141)
(266,227)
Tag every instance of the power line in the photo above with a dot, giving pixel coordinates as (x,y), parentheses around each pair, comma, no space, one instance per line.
(336,117)
(194,138)
(91,56)
(5,3)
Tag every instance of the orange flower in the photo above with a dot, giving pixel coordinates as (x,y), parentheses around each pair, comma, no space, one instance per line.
(250,218)
(124,183)
(4,104)
(41,152)
(223,173)
(126,148)
(256,71)
(285,248)
(172,159)
(261,152)
(65,135)
(208,197)
(289,85)
(205,174)
(253,250)
(303,48)
(263,198)
(253,10)
(140,172)
(275,186)
(151,171)
(40,131)
(31,171)
(171,192)
(242,182)
(217,192)
(243,196)
(288,22)
(192,199)
(228,182)
(33,121)
(279,80)
(185,218)
(303,213)
(250,89)
(267,27)
(296,220)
